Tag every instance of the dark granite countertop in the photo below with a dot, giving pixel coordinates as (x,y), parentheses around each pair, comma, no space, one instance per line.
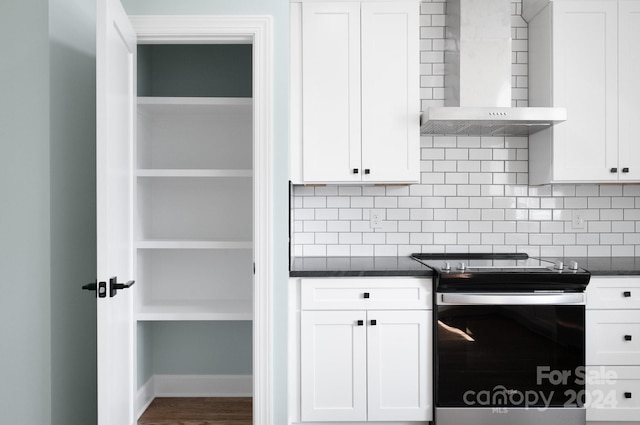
(356,266)
(405,266)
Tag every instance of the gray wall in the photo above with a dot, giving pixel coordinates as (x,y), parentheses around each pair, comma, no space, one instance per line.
(279,9)
(72,210)
(25,349)
(47,229)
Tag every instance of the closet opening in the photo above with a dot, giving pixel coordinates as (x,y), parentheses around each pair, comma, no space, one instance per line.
(194,233)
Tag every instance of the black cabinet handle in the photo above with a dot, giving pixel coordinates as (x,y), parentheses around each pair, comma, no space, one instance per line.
(626,294)
(627,337)
(360,322)
(367,171)
(614,170)
(625,170)
(366,295)
(627,395)
(373,322)
(355,171)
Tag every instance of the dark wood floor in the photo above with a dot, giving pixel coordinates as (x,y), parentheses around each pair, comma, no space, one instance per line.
(198,411)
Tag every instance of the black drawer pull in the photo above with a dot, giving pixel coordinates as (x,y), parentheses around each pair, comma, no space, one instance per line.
(627,337)
(367,171)
(625,170)
(626,294)
(366,295)
(627,395)
(355,171)
(373,322)
(360,322)
(614,170)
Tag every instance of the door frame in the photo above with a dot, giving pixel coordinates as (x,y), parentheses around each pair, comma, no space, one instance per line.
(257,30)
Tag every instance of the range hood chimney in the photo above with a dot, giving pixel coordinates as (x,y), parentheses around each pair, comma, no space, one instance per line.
(478,76)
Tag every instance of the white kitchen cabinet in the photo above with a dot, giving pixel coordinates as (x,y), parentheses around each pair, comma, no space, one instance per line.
(369,363)
(355,92)
(613,348)
(582,57)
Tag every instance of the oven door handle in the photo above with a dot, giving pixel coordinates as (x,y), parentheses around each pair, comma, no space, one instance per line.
(575,298)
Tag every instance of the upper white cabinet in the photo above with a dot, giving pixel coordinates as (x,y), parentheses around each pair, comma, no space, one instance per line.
(583,56)
(355,92)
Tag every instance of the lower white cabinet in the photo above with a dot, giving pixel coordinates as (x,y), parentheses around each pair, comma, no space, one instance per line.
(613,349)
(366,364)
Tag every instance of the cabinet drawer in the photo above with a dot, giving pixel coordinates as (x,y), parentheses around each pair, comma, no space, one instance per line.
(613,393)
(366,293)
(613,292)
(613,337)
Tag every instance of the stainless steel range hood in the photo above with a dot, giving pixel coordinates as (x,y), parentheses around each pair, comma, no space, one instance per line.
(478,77)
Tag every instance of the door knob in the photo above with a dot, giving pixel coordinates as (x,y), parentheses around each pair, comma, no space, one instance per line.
(99,287)
(626,294)
(627,338)
(114,286)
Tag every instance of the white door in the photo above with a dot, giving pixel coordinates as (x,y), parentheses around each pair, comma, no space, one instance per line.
(390,91)
(116,63)
(333,366)
(399,358)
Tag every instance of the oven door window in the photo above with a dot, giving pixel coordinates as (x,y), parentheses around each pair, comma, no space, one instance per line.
(510,356)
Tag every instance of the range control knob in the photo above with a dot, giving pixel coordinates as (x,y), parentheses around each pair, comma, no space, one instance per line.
(573,265)
(559,265)
(446,267)
(462,266)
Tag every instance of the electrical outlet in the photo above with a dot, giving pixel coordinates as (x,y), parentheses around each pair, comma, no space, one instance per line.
(375,219)
(577,220)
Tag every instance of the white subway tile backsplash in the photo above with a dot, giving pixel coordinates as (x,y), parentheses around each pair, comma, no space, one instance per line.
(474,194)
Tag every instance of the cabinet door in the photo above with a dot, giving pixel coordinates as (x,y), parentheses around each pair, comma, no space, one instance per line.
(390,85)
(629,83)
(585,82)
(333,366)
(331,91)
(399,358)
(613,393)
(612,337)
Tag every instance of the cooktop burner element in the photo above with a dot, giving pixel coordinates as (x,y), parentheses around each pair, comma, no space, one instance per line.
(508,272)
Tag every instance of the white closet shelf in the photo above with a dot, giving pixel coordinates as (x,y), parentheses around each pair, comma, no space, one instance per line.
(176,104)
(196,310)
(193,244)
(150,172)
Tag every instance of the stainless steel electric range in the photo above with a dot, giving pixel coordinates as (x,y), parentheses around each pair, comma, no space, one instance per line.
(509,342)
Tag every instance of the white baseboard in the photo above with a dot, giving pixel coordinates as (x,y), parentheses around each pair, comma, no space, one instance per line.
(193,386)
(144,396)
